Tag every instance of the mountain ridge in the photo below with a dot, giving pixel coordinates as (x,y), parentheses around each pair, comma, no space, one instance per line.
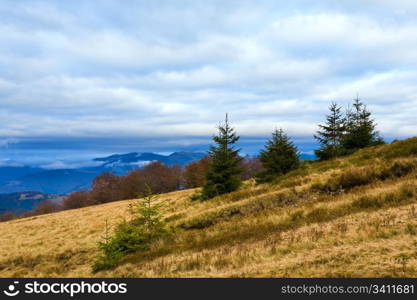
(181,157)
(64,181)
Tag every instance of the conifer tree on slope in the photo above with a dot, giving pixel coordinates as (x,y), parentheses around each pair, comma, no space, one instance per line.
(330,135)
(224,171)
(279,157)
(360,128)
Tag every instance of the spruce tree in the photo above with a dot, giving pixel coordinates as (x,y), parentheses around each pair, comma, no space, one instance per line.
(146,226)
(223,175)
(279,157)
(360,128)
(330,135)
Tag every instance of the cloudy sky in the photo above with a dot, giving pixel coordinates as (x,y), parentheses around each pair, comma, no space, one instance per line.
(113,76)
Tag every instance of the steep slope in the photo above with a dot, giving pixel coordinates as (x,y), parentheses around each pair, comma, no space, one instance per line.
(355,216)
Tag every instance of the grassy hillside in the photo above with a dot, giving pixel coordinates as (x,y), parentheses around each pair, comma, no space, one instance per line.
(355,216)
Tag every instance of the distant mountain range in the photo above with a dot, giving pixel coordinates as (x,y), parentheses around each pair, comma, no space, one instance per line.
(18,203)
(139,159)
(17,182)
(64,181)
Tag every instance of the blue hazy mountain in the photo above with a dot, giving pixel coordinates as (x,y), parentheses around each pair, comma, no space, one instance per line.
(60,181)
(21,202)
(64,181)
(13,172)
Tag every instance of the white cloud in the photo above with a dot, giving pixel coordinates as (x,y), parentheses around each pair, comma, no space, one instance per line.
(72,70)
(69,165)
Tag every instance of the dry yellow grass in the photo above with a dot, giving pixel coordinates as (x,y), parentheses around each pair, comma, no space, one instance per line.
(288,229)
